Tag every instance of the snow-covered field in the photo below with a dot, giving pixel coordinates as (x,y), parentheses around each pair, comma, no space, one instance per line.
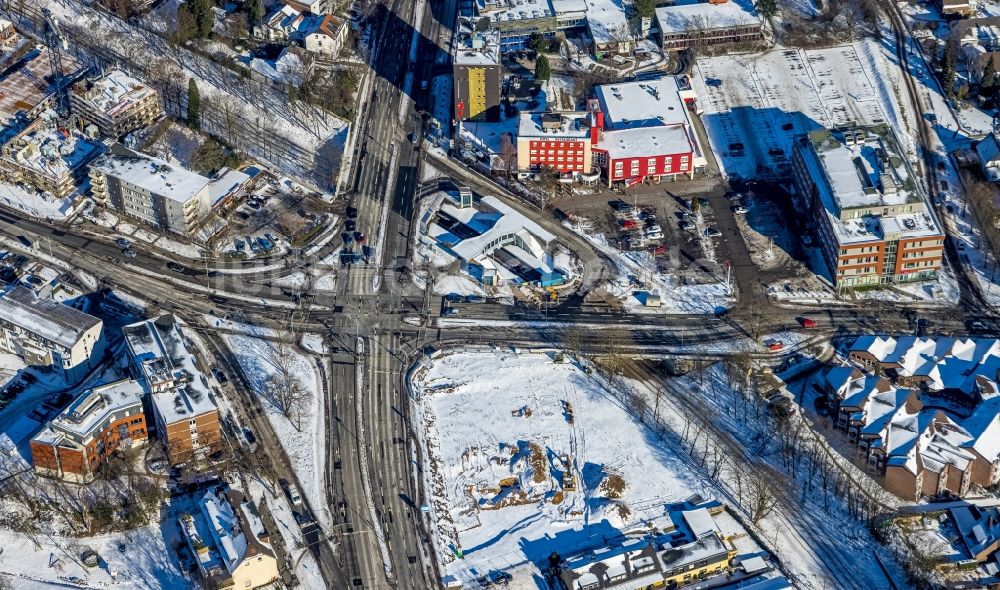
(549,462)
(140,559)
(301,435)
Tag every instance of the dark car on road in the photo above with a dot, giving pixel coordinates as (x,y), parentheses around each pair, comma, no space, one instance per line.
(175,267)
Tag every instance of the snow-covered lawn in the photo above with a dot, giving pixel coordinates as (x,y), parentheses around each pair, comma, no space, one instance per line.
(525,455)
(145,560)
(301,435)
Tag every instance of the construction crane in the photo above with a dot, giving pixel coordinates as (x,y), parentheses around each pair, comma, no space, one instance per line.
(53,41)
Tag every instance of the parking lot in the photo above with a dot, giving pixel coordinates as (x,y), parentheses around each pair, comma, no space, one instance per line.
(678,230)
(273,217)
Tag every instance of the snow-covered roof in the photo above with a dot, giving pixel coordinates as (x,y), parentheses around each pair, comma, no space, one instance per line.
(572,125)
(709,547)
(703,16)
(45,318)
(93,411)
(476,48)
(988,149)
(607,22)
(503,11)
(699,522)
(566,6)
(228,527)
(150,173)
(51,150)
(225,182)
(652,103)
(640,143)
(158,348)
(494,226)
(114,93)
(857,173)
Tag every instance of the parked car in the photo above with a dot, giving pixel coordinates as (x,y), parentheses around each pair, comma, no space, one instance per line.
(350,225)
(739,209)
(654,235)
(128,253)
(294,496)
(250,437)
(359,237)
(122,243)
(687,225)
(711,232)
(454,297)
(807,322)
(352,212)
(774,345)
(173,266)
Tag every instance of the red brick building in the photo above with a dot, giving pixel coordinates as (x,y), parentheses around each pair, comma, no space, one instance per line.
(97,423)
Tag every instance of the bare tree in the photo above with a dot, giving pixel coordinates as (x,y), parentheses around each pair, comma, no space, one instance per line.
(289,394)
(612,344)
(508,154)
(762,497)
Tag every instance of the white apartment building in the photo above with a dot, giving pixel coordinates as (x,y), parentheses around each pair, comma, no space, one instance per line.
(47,333)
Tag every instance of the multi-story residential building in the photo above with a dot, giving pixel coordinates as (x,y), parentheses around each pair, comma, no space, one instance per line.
(609,27)
(229,541)
(562,141)
(47,333)
(75,443)
(116,103)
(518,21)
(713,23)
(326,37)
(46,157)
(645,131)
(179,399)
(151,190)
(873,220)
(476,75)
(921,450)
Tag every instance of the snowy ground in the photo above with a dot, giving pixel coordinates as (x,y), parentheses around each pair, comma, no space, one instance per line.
(543,420)
(140,558)
(301,436)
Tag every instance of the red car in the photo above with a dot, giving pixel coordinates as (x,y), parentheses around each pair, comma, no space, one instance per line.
(630,224)
(808,322)
(775,345)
